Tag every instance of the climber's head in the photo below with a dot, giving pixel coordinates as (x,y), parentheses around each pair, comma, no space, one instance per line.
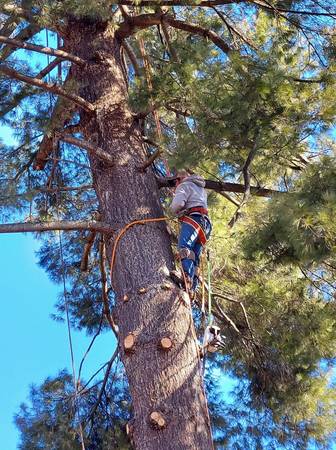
(181,175)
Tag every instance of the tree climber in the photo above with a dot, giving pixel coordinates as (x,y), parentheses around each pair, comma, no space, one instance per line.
(190,205)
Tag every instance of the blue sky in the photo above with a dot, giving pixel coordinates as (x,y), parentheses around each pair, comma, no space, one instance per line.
(33,346)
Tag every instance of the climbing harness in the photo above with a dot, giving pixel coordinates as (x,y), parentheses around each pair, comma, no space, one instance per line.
(197,227)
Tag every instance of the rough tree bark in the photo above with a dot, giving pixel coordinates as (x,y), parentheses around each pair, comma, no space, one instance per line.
(168,382)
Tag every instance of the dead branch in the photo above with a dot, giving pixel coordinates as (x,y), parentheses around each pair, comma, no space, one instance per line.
(49,87)
(99,152)
(132,57)
(151,159)
(87,249)
(102,262)
(61,114)
(171,49)
(241,304)
(48,68)
(40,49)
(107,373)
(25,34)
(234,30)
(88,350)
(55,225)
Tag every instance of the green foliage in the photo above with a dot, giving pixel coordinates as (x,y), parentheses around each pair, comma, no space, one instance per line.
(51,421)
(300,227)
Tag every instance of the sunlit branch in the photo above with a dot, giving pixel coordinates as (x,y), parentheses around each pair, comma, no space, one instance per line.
(40,49)
(100,153)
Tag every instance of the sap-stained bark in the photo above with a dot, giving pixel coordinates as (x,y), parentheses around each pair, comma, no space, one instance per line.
(167,382)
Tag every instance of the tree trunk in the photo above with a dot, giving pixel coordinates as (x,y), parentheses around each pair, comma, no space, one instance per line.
(164,381)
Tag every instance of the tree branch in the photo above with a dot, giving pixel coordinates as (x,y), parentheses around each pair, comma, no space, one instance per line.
(45,50)
(230,27)
(25,34)
(132,57)
(107,373)
(49,87)
(151,159)
(204,3)
(219,186)
(134,23)
(99,152)
(55,225)
(247,178)
(61,114)
(87,249)
(102,262)
(48,68)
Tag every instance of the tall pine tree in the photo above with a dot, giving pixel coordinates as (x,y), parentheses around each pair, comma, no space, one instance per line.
(241,92)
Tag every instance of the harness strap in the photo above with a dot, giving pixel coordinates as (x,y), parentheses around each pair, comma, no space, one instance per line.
(196,226)
(198,209)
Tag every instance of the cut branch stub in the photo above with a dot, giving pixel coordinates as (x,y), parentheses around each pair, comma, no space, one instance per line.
(157,419)
(166,343)
(184,297)
(129,342)
(142,290)
(129,429)
(125,298)
(166,286)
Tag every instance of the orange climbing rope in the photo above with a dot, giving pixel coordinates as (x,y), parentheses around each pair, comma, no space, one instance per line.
(123,231)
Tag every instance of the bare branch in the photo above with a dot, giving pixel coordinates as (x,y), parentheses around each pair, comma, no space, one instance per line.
(55,225)
(48,68)
(102,262)
(233,29)
(99,152)
(49,87)
(107,373)
(151,159)
(40,49)
(61,114)
(170,47)
(25,34)
(247,178)
(132,57)
(87,249)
